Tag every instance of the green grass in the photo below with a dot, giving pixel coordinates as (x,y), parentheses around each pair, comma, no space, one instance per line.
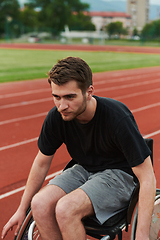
(31,64)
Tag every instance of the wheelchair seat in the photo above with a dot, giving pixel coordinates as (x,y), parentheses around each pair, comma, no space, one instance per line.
(115,224)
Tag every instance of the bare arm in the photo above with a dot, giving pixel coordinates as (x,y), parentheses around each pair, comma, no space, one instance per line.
(145,175)
(35,180)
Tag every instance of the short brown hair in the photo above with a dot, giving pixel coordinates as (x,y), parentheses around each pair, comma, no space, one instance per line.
(71,68)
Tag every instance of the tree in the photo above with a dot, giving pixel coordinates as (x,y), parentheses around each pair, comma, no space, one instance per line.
(135,32)
(114,28)
(55,14)
(29,18)
(9,11)
(82,22)
(151,30)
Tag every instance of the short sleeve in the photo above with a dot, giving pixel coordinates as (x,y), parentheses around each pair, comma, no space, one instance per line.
(50,138)
(130,141)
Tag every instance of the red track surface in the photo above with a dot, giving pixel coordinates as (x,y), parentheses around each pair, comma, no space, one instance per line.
(23,106)
(109,48)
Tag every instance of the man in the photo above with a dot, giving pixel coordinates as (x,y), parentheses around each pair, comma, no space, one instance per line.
(101,135)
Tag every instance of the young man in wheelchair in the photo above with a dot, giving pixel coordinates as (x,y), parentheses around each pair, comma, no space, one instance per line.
(102,137)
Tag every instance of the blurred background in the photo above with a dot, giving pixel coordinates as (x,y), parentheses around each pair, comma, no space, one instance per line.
(80,21)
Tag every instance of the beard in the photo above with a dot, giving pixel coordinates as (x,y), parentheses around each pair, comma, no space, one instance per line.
(69,116)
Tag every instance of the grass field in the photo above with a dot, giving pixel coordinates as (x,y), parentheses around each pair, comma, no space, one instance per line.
(31,64)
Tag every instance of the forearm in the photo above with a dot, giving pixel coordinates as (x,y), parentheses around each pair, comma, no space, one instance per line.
(145,209)
(146,177)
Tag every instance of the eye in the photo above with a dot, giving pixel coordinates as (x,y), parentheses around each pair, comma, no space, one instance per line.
(70,97)
(56,97)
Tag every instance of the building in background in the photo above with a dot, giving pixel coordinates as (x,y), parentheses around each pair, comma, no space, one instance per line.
(139,12)
(101,19)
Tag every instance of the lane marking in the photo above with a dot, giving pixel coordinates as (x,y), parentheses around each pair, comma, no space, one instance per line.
(7,194)
(24,93)
(152,134)
(137,94)
(23,118)
(18,144)
(146,107)
(127,85)
(26,103)
(127,78)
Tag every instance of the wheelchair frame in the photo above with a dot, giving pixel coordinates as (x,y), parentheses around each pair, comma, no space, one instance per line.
(106,231)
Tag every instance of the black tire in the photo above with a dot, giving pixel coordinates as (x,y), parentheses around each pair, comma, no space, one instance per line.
(134,223)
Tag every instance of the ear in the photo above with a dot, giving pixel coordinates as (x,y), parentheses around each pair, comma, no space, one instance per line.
(90,92)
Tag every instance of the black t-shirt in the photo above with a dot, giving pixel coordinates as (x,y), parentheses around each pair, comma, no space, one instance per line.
(111,140)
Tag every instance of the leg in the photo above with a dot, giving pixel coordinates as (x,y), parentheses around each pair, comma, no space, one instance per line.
(70,210)
(43,210)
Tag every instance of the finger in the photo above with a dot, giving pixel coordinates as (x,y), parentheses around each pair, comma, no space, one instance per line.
(6,228)
(5,231)
(17,230)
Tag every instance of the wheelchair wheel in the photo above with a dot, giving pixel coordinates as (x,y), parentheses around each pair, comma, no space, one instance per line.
(28,223)
(155,222)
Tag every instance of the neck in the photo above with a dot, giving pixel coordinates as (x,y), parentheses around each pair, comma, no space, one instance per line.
(89,113)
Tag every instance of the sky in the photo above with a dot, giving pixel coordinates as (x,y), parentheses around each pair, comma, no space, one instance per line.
(157,2)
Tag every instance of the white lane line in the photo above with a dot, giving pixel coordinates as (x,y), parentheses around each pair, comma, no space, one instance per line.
(126,78)
(152,134)
(18,144)
(17,94)
(146,107)
(26,103)
(127,85)
(7,194)
(23,118)
(137,94)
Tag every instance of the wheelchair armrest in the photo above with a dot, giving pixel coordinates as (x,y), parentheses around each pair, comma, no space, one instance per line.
(132,203)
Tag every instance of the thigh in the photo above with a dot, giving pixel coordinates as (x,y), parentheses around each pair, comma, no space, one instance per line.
(71,179)
(77,203)
(47,198)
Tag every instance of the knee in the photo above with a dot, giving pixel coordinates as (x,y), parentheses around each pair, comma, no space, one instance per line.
(42,206)
(37,205)
(62,211)
(65,212)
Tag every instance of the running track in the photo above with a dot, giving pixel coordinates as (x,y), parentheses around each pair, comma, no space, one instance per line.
(24,105)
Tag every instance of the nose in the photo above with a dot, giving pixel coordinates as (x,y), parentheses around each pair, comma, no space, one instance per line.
(62,105)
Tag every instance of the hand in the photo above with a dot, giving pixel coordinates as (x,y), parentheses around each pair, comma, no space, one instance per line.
(16,219)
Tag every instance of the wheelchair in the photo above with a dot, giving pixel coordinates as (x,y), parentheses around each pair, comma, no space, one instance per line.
(112,227)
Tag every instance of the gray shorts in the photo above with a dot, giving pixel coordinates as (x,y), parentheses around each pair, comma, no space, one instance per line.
(109,190)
